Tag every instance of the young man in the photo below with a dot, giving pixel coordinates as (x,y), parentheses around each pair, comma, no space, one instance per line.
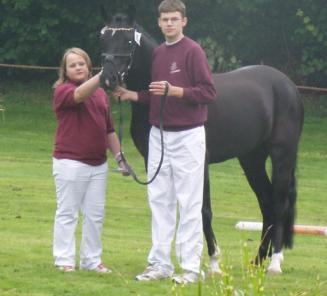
(182,64)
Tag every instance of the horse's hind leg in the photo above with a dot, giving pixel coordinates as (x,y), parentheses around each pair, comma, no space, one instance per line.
(254,168)
(213,249)
(284,193)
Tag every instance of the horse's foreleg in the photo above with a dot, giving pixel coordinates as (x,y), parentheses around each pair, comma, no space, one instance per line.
(213,249)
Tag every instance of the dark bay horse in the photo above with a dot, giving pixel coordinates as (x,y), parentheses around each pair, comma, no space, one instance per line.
(258,114)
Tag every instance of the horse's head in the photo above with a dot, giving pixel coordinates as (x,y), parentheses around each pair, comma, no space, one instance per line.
(119,41)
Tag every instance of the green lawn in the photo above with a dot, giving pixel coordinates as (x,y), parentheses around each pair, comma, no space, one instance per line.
(27,209)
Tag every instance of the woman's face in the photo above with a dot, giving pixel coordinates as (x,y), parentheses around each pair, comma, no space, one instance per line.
(76,68)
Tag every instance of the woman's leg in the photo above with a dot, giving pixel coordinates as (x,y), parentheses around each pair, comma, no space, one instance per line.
(71,179)
(93,207)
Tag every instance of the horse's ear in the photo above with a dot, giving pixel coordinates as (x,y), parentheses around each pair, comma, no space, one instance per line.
(131,11)
(104,14)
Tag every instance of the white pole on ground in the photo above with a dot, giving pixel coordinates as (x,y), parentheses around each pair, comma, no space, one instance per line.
(298,229)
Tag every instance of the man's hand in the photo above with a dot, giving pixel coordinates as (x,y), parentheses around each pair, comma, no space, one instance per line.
(159,88)
(125,94)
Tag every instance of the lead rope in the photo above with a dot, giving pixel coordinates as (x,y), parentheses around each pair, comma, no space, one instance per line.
(128,167)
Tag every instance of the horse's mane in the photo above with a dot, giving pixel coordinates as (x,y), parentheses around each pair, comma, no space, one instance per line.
(121,20)
(146,34)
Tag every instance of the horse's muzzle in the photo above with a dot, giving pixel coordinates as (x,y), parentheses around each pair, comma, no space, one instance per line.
(110,78)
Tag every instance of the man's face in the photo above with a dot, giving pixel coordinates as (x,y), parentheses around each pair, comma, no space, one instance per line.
(172,24)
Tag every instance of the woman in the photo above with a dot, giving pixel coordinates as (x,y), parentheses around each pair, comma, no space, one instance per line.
(84,132)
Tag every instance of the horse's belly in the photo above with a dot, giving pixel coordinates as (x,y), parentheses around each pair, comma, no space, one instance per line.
(235,135)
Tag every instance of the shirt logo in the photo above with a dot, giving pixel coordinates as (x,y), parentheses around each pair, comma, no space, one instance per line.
(174,68)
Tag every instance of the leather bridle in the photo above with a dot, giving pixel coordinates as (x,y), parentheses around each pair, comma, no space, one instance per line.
(110,57)
(122,76)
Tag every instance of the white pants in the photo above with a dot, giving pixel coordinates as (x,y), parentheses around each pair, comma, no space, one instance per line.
(179,182)
(79,187)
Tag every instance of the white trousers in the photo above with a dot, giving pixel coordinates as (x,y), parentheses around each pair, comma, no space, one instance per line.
(179,183)
(79,187)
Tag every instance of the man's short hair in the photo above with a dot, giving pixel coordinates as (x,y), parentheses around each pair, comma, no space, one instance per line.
(172,6)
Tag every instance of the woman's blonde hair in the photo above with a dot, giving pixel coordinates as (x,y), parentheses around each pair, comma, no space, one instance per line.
(62,69)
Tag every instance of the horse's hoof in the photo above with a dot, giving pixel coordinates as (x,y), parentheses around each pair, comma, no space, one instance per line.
(274,270)
(215,272)
(214,268)
(274,267)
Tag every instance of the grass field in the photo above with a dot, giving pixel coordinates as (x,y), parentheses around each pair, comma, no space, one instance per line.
(27,206)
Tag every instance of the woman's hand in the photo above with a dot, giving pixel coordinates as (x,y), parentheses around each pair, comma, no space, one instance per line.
(123,169)
(122,164)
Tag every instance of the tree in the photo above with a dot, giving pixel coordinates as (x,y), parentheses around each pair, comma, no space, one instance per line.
(311,35)
(289,35)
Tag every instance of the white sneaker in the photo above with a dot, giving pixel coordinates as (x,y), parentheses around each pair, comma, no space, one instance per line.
(188,277)
(152,273)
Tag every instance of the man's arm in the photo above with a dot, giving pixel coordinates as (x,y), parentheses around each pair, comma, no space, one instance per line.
(126,95)
(203,90)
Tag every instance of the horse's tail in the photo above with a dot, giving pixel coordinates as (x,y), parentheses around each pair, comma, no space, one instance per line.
(289,96)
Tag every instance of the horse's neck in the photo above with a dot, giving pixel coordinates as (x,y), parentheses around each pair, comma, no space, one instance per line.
(139,79)
(139,76)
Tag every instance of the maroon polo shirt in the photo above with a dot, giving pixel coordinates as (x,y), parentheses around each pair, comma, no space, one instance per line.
(82,128)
